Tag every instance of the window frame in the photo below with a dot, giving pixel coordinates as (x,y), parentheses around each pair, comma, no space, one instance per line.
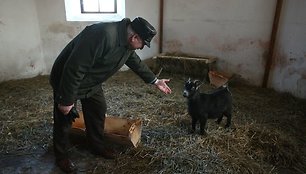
(99,11)
(73,12)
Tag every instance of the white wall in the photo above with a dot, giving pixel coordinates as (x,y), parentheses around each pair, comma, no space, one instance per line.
(289,68)
(236,31)
(20,42)
(33,32)
(57,32)
(150,11)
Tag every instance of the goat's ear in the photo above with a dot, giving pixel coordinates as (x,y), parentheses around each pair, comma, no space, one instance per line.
(197,83)
(189,80)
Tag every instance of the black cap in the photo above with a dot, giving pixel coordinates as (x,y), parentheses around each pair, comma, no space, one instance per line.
(144,29)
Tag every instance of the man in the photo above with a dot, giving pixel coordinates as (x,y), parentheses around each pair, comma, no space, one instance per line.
(93,56)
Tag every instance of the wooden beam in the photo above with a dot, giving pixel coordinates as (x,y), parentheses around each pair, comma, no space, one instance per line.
(204,59)
(272,43)
(161,25)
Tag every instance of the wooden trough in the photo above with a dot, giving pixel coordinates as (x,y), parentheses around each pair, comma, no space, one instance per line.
(191,65)
(119,130)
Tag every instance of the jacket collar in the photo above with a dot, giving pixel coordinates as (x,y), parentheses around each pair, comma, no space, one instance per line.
(122,32)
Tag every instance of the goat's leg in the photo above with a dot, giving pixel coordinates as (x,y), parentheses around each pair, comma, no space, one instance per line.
(228,121)
(203,125)
(220,117)
(193,125)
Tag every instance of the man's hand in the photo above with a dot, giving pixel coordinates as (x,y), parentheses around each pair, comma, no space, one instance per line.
(161,85)
(65,109)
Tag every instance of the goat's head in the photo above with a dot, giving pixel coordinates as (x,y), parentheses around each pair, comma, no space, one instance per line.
(191,87)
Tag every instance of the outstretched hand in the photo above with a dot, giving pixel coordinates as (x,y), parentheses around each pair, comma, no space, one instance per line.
(161,84)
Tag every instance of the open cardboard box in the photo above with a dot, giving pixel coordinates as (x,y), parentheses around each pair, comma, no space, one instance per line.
(119,130)
(218,79)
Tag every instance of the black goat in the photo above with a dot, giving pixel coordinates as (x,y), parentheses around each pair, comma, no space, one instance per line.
(203,106)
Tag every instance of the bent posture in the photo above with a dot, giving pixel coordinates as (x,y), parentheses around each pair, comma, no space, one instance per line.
(93,56)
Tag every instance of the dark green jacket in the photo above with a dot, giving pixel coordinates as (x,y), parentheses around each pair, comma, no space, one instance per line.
(93,56)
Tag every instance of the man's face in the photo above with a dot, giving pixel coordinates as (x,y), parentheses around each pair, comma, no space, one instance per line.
(136,42)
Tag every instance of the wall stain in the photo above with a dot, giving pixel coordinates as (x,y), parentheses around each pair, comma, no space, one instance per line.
(193,40)
(173,45)
(290,66)
(263,44)
(1,23)
(280,59)
(228,47)
(241,44)
(60,28)
(264,58)
(32,64)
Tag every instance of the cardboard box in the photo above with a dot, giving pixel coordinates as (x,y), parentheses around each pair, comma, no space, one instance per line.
(218,79)
(120,130)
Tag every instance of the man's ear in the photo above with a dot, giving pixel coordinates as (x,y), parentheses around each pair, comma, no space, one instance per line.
(132,38)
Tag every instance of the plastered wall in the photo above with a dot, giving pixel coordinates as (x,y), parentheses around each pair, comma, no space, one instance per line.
(33,32)
(57,32)
(288,72)
(237,32)
(20,42)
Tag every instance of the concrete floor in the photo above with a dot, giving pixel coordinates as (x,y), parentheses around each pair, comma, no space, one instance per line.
(28,163)
(43,163)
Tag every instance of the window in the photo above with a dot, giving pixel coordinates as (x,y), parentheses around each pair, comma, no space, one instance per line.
(95,10)
(98,6)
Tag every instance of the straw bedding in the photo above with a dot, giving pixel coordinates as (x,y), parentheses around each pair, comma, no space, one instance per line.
(268,133)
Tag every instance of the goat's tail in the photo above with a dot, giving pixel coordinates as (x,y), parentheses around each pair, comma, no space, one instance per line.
(229,80)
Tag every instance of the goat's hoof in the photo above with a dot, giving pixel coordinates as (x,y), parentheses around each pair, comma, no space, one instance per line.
(227,128)
(218,121)
(203,133)
(191,131)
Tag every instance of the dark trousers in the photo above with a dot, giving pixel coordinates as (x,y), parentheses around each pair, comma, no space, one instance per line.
(94,109)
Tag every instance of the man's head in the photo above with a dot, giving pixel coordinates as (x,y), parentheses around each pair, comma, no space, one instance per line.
(144,30)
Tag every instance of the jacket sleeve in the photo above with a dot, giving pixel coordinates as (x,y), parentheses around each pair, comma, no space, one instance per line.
(140,68)
(80,60)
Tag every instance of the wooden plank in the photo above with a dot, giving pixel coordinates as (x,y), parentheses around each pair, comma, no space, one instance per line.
(206,60)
